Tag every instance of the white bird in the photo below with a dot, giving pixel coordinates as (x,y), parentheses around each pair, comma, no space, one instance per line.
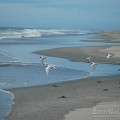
(88,59)
(42,59)
(93,66)
(108,55)
(48,67)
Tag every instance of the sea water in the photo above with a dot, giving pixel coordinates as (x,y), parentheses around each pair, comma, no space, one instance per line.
(20,67)
(5,103)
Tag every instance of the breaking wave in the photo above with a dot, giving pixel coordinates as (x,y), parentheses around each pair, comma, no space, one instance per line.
(20,33)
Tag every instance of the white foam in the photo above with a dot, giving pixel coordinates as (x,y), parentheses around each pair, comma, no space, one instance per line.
(5,91)
(10,105)
(13,33)
(31,33)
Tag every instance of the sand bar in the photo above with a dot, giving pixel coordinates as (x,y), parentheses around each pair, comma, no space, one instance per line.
(112,36)
(98,53)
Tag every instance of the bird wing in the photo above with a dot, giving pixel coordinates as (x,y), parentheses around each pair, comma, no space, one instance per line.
(93,67)
(47,69)
(109,55)
(88,59)
(53,66)
(42,62)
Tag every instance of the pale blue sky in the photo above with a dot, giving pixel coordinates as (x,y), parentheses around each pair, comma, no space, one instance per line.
(68,14)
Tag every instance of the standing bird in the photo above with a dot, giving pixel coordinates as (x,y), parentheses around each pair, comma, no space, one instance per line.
(42,59)
(88,59)
(48,67)
(108,55)
(93,66)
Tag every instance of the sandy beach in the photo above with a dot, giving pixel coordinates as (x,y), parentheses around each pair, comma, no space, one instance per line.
(101,111)
(54,102)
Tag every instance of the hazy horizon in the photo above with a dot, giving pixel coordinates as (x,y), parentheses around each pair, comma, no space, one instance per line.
(64,14)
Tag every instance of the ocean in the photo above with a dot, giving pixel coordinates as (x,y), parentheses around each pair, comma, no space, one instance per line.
(21,67)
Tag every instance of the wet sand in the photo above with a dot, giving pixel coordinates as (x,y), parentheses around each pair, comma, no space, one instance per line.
(52,102)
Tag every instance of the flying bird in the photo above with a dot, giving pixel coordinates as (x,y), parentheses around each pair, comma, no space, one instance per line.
(93,66)
(88,59)
(108,55)
(48,67)
(42,59)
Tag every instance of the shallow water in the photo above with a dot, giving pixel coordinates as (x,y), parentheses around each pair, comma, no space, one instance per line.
(5,103)
(20,67)
(26,75)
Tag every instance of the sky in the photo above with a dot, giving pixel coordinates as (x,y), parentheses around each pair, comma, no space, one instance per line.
(64,14)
